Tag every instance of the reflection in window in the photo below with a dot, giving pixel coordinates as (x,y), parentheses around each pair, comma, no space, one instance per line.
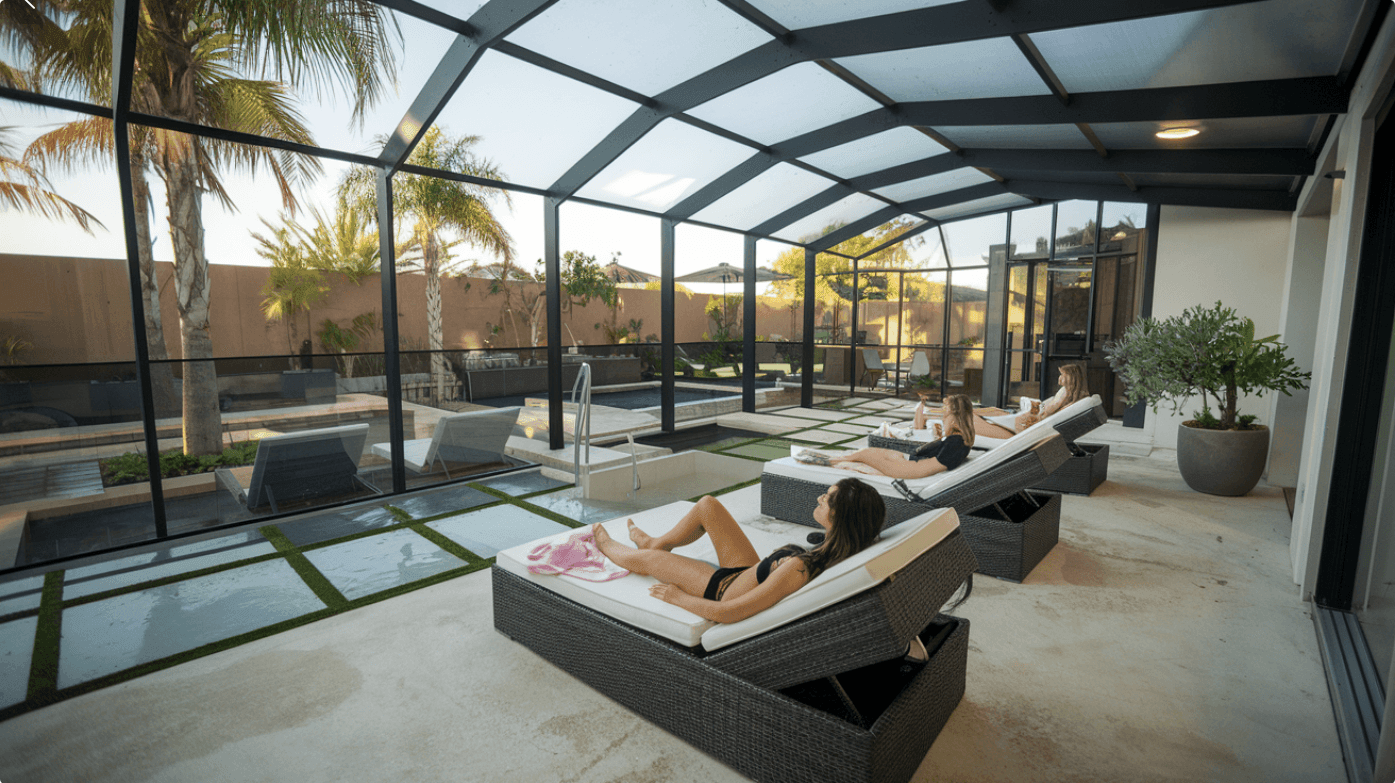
(1076,228)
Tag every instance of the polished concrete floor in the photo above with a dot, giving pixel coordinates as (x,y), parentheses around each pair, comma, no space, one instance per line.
(1162,640)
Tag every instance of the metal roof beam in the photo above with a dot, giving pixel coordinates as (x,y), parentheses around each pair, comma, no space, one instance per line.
(918,28)
(855,228)
(1235,198)
(1283,162)
(488,26)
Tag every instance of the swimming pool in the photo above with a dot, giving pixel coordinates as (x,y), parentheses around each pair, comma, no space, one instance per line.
(632,399)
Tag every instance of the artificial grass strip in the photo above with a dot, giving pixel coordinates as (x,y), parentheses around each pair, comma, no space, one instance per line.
(545,512)
(435,537)
(168,580)
(492,491)
(48,635)
(398,514)
(316,581)
(732,488)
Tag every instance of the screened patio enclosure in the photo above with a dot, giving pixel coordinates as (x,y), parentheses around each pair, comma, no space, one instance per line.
(974,181)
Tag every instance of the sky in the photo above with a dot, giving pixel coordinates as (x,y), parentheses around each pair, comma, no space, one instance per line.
(532,124)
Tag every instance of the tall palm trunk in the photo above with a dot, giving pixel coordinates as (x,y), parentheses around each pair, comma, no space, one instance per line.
(202,422)
(161,375)
(431,264)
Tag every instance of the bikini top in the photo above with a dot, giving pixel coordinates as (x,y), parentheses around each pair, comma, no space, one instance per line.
(764,566)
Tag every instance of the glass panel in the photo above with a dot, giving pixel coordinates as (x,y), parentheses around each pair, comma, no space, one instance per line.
(988,68)
(876,152)
(794,101)
(1040,293)
(592,238)
(930,253)
(934,184)
(1031,233)
(779,322)
(84,31)
(796,14)
(1239,132)
(968,307)
(513,317)
(1075,228)
(663,43)
(895,256)
(1017,310)
(976,206)
(923,313)
(526,142)
(1280,39)
(1123,226)
(965,373)
(328,112)
(1021,377)
(773,191)
(971,241)
(718,293)
(670,162)
(830,218)
(1049,137)
(1070,311)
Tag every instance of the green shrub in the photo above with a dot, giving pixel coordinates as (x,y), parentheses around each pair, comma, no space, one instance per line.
(132,467)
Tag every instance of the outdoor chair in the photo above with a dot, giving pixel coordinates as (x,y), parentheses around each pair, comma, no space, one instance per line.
(872,367)
(298,467)
(472,437)
(815,688)
(920,364)
(1009,528)
(1087,468)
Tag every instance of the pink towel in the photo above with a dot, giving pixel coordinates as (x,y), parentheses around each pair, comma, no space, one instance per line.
(578,557)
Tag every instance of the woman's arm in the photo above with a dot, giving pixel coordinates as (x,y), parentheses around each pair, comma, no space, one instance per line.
(787,577)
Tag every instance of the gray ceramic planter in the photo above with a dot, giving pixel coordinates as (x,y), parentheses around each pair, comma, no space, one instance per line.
(1222,462)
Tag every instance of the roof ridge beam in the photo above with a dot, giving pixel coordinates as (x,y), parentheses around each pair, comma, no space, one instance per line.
(919,28)
(488,26)
(948,199)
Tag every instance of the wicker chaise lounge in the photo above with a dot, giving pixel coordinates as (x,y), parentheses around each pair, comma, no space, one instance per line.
(813,689)
(1087,468)
(1009,529)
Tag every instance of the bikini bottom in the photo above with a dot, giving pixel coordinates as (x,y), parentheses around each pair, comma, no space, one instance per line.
(720,581)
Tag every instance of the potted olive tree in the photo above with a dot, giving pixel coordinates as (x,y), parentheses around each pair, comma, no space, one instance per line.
(1211,352)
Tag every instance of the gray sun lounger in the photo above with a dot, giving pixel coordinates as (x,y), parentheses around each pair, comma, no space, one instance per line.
(298,467)
(472,437)
(801,703)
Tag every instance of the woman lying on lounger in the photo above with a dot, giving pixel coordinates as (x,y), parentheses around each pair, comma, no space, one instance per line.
(1073,389)
(851,512)
(947,453)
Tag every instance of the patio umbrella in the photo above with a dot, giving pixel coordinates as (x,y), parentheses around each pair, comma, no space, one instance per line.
(624,274)
(723,272)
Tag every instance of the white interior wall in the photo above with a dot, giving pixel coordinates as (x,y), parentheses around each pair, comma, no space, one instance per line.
(1237,256)
(1298,327)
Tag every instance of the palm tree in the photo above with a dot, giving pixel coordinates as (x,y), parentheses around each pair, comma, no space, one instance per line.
(188,58)
(438,210)
(25,188)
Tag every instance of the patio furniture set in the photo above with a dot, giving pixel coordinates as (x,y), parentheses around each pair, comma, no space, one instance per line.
(852,677)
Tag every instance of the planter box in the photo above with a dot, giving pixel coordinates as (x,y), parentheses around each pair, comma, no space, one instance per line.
(1081,473)
(313,386)
(1011,536)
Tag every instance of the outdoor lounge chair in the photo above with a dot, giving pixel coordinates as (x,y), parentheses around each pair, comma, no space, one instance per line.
(298,467)
(473,437)
(1009,528)
(1087,468)
(813,689)
(872,367)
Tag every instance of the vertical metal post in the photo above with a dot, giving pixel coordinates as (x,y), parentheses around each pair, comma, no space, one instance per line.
(748,319)
(1090,314)
(552,265)
(900,332)
(944,339)
(806,370)
(125,23)
(1046,335)
(392,356)
(667,335)
(852,333)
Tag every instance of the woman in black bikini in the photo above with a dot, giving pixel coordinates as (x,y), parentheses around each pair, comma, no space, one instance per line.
(947,453)
(850,511)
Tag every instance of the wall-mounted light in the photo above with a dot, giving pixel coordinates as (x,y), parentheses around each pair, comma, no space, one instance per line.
(1177,133)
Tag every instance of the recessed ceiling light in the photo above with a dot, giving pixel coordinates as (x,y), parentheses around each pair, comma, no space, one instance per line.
(1177,133)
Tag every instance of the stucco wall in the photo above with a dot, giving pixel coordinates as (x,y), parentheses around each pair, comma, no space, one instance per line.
(1236,256)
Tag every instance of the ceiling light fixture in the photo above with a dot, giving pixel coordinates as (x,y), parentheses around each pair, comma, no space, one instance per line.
(1177,133)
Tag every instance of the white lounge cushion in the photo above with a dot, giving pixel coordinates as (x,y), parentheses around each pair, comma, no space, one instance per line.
(898,546)
(627,599)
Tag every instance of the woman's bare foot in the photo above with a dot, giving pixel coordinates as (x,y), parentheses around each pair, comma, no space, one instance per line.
(601,535)
(642,539)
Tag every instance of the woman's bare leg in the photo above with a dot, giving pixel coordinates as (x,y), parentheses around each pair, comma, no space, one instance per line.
(708,516)
(690,575)
(990,430)
(890,463)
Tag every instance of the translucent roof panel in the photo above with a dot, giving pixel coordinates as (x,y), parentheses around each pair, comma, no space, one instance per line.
(775,190)
(796,14)
(934,184)
(876,152)
(789,103)
(1031,232)
(640,44)
(1278,39)
(515,108)
(460,9)
(840,213)
(990,68)
(670,162)
(1001,201)
(1050,137)
(929,253)
(1238,132)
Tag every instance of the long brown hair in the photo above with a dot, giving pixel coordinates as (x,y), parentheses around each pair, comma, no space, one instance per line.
(959,417)
(857,513)
(1076,387)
